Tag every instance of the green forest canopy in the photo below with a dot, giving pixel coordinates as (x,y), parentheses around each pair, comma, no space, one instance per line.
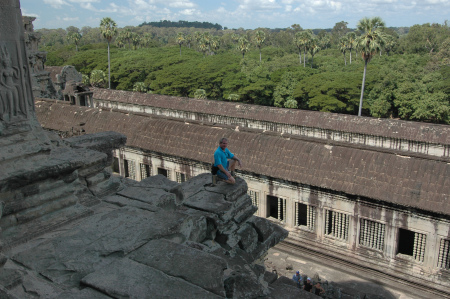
(409,78)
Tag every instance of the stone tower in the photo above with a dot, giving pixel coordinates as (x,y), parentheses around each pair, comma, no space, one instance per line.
(16,94)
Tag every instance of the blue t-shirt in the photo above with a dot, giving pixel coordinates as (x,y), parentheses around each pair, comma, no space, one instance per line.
(221,157)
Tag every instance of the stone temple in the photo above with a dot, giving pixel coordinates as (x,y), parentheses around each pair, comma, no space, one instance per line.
(368,193)
(71,229)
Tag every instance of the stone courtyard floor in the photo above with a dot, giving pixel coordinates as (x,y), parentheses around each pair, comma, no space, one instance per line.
(349,280)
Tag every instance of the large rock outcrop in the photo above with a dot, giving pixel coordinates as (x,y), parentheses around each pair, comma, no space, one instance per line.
(155,238)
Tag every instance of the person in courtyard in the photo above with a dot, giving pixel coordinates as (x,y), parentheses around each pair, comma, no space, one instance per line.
(226,162)
(319,290)
(308,285)
(297,278)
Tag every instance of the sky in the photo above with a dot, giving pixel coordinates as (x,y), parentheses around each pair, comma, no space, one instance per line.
(248,14)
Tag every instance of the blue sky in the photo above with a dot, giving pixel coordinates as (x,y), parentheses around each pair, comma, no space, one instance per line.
(249,14)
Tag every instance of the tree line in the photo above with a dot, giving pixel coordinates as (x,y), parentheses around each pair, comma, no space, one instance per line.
(370,70)
(183,24)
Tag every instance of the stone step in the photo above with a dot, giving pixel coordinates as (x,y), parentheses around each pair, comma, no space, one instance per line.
(25,144)
(39,193)
(14,173)
(22,149)
(16,235)
(37,211)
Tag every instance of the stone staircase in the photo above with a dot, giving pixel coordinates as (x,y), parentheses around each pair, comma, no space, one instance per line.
(44,182)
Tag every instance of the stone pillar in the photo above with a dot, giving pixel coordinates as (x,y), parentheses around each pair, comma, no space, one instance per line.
(16,94)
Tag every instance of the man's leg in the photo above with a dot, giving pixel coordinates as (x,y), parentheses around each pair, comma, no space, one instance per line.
(222,176)
(232,165)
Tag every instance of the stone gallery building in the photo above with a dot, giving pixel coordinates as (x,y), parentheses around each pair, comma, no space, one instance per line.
(370,192)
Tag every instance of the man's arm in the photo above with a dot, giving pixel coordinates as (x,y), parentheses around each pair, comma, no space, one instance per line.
(238,160)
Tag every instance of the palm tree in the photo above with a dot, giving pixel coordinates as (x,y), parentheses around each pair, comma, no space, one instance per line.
(215,43)
(135,39)
(368,44)
(243,46)
(180,40)
(203,46)
(304,38)
(188,39)
(343,47)
(351,41)
(140,87)
(98,78)
(324,41)
(200,94)
(389,43)
(109,29)
(299,44)
(128,35)
(75,38)
(313,48)
(260,37)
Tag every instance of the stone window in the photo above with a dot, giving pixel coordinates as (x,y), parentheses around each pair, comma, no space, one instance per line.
(254,195)
(129,169)
(336,225)
(411,244)
(146,171)
(276,207)
(371,234)
(444,254)
(305,215)
(181,177)
(164,172)
(115,165)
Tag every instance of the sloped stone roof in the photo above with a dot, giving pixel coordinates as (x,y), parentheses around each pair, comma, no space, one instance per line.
(406,181)
(418,131)
(54,70)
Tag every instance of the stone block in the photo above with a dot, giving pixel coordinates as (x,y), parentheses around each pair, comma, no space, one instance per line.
(230,192)
(156,197)
(104,142)
(191,187)
(192,265)
(245,283)
(248,238)
(263,227)
(129,279)
(210,202)
(124,201)
(158,182)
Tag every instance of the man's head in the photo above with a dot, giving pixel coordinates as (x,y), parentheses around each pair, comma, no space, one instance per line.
(223,143)
(298,273)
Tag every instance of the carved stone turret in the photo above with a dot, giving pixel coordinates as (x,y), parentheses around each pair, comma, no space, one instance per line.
(44,182)
(41,82)
(16,97)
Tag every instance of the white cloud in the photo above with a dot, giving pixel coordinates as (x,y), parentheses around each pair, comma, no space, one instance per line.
(83,1)
(182,4)
(258,5)
(188,12)
(56,3)
(70,19)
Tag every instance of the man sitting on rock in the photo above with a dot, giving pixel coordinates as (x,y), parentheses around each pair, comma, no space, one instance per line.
(222,155)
